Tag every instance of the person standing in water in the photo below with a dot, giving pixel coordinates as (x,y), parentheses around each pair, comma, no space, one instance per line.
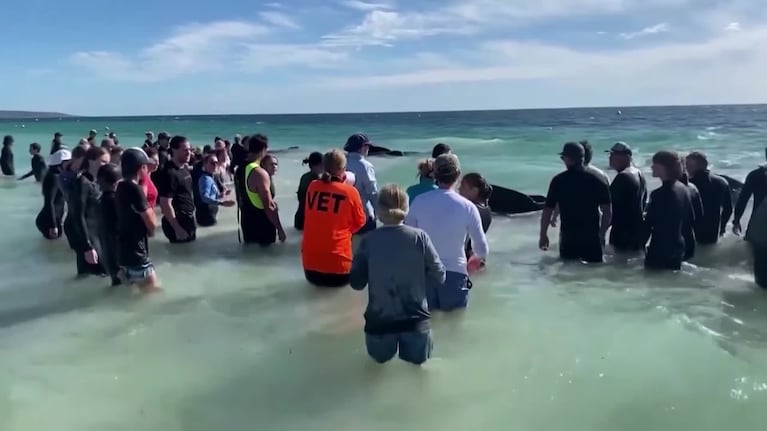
(580,196)
(425,180)
(688,230)
(136,222)
(176,190)
(6,157)
(628,192)
(148,141)
(83,219)
(38,163)
(163,151)
(210,197)
(756,186)
(91,140)
(334,211)
(146,182)
(476,189)
(448,218)
(756,236)
(440,149)
(56,144)
(588,155)
(107,178)
(396,263)
(259,219)
(315,171)
(669,212)
(357,147)
(49,220)
(715,197)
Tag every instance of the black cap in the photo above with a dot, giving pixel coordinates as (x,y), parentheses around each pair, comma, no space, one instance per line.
(163,135)
(620,148)
(573,150)
(133,158)
(356,142)
(314,159)
(57,135)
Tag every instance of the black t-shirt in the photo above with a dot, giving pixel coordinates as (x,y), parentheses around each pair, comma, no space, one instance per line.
(579,194)
(176,183)
(133,244)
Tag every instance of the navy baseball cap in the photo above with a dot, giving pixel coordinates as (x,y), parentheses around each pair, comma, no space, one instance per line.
(356,142)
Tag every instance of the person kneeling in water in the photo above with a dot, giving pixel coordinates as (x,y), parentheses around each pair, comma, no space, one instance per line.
(475,188)
(396,262)
(334,212)
(315,170)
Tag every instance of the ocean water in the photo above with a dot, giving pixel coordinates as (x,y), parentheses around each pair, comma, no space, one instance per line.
(239,341)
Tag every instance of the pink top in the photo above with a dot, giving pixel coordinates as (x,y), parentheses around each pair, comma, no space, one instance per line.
(151,190)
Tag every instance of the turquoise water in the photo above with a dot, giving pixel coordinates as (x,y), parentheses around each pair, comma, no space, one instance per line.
(239,341)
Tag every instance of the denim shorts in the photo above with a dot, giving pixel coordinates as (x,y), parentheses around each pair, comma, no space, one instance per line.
(137,274)
(450,295)
(414,346)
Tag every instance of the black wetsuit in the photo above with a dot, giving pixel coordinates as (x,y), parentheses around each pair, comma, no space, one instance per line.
(303,186)
(52,214)
(82,225)
(629,199)
(6,161)
(38,168)
(487,217)
(176,183)
(239,157)
(579,195)
(717,207)
(56,146)
(669,211)
(756,185)
(688,230)
(108,234)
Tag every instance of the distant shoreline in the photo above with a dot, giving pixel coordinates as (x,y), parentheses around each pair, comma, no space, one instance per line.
(26,115)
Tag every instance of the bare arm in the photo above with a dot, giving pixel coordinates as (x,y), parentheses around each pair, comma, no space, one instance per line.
(259,182)
(150,221)
(478,238)
(607,219)
(546,216)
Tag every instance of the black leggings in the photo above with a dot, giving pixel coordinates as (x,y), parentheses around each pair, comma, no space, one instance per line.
(760,266)
(321,279)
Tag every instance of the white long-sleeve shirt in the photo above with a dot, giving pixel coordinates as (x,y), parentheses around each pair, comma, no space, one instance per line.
(448,218)
(365,181)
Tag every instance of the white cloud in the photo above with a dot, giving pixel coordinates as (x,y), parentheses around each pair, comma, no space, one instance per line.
(647,31)
(733,26)
(728,55)
(365,6)
(280,20)
(385,27)
(205,48)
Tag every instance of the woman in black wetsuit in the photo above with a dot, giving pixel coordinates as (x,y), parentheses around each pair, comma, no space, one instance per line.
(49,219)
(669,215)
(6,158)
(315,170)
(82,223)
(475,188)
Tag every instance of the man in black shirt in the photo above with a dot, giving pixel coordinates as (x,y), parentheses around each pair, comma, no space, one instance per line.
(135,223)
(580,196)
(56,144)
(629,200)
(175,188)
(756,185)
(669,212)
(715,197)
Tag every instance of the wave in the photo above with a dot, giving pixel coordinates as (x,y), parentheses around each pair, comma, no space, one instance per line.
(714,127)
(454,140)
(708,136)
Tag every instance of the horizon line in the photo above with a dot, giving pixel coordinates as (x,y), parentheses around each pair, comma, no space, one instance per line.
(618,107)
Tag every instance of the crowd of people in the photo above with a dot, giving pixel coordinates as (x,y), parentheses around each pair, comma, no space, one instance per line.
(431,237)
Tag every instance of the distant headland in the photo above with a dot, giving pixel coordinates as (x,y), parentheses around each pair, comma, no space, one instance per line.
(21,115)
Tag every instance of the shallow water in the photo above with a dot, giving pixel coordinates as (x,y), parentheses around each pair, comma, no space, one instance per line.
(239,341)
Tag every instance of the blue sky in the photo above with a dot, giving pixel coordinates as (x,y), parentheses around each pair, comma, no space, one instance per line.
(147,57)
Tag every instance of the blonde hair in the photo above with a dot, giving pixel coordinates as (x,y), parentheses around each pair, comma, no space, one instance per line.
(426,168)
(334,165)
(392,204)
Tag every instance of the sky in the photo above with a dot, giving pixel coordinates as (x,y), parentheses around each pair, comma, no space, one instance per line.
(149,57)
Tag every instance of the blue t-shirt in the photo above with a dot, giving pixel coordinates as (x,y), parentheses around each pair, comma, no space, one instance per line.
(426,184)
